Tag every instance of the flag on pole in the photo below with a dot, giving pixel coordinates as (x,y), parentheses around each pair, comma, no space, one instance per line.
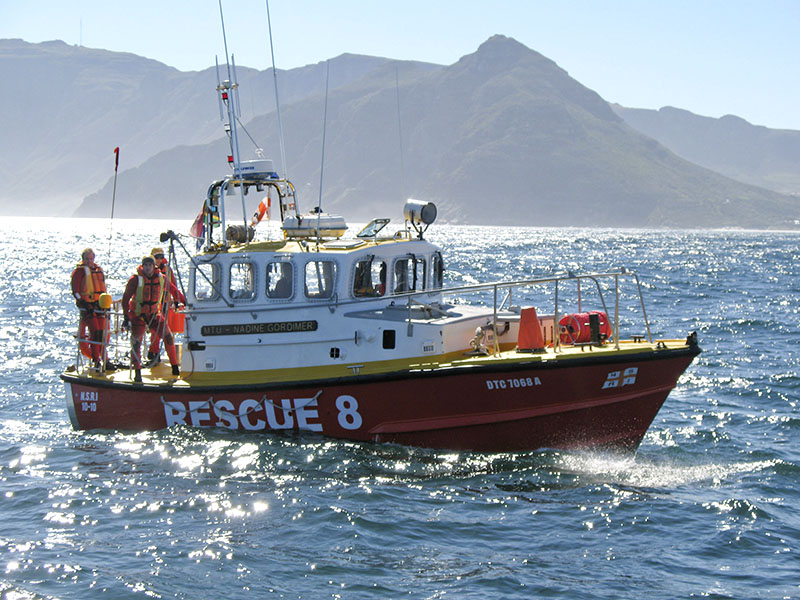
(198,228)
(116,159)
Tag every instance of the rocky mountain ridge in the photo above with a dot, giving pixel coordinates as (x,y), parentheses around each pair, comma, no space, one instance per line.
(503,136)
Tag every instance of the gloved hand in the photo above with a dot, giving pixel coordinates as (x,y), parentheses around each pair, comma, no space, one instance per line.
(83,304)
(126,324)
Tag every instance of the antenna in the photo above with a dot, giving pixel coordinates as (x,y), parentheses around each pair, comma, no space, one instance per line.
(219,86)
(229,93)
(324,129)
(224,39)
(277,101)
(400,137)
(236,88)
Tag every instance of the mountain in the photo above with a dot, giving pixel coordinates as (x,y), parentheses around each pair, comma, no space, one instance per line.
(72,105)
(730,145)
(503,136)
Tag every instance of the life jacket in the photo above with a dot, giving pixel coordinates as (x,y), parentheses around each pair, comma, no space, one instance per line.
(94,282)
(149,295)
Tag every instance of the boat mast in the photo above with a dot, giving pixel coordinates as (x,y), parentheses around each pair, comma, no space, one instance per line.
(229,92)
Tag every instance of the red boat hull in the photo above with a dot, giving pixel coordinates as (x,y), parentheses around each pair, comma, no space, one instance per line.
(596,402)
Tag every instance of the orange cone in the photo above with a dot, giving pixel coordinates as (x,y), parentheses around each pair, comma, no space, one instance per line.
(530,331)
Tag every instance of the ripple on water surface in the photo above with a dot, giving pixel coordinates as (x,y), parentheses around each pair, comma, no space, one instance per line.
(707,508)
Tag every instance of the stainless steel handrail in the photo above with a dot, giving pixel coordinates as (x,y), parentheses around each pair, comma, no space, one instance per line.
(510,285)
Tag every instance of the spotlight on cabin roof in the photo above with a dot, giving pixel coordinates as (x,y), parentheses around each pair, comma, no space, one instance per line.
(419,212)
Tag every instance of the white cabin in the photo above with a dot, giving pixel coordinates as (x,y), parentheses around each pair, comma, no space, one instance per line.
(353,303)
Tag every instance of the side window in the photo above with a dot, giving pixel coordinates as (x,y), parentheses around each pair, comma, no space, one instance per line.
(403,276)
(320,277)
(420,273)
(206,277)
(242,282)
(369,279)
(437,266)
(279,280)
(409,275)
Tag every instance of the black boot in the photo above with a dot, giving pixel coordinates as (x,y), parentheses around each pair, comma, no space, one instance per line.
(137,375)
(153,359)
(176,370)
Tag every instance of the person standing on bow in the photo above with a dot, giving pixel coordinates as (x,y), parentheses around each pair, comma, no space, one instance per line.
(154,352)
(142,303)
(88,282)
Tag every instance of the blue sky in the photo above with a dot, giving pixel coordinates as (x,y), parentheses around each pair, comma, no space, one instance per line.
(712,57)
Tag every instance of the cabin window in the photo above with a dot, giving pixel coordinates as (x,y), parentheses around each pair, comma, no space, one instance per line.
(242,281)
(403,275)
(279,280)
(369,279)
(437,266)
(320,277)
(206,282)
(409,275)
(420,273)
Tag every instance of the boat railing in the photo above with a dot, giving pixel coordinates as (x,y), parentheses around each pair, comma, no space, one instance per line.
(430,300)
(558,281)
(116,346)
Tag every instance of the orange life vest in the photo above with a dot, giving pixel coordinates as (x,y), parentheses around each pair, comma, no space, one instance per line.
(149,295)
(94,282)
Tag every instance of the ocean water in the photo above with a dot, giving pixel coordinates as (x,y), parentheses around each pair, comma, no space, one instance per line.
(707,508)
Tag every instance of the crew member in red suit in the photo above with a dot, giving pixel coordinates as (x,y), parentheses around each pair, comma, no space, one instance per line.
(154,352)
(142,302)
(88,282)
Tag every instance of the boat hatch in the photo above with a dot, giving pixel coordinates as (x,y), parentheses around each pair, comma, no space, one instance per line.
(373,228)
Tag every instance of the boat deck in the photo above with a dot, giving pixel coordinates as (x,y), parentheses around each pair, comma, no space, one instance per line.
(161,375)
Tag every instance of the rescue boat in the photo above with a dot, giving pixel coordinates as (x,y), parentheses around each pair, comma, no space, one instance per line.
(357,338)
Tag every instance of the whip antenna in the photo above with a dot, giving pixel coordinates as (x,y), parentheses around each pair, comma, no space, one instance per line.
(224,39)
(277,101)
(230,98)
(324,129)
(400,137)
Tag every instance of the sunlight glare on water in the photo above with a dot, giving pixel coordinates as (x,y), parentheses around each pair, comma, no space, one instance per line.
(706,508)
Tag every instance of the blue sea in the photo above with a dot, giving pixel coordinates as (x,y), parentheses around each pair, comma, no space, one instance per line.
(707,508)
